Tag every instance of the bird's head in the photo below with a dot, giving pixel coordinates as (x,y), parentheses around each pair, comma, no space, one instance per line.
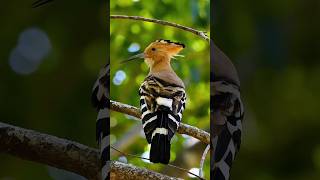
(159,51)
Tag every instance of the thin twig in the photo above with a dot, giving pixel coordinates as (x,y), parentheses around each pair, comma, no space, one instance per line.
(195,132)
(139,157)
(202,160)
(162,22)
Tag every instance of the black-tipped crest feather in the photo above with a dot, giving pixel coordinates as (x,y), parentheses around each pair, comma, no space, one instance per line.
(168,41)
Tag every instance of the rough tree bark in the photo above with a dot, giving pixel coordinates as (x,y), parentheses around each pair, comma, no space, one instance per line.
(65,154)
(50,150)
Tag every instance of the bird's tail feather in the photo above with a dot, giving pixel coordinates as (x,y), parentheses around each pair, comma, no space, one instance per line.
(159,127)
(160,141)
(160,149)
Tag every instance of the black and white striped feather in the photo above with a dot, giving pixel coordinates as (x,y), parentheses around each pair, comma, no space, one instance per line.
(227,114)
(161,106)
(100,100)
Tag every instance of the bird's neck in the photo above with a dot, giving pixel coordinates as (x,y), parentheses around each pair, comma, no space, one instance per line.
(158,66)
(164,71)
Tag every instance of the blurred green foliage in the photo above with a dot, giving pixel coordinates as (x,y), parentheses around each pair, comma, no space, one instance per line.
(275,46)
(128,37)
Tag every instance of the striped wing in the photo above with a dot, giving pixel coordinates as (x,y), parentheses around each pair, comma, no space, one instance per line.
(100,100)
(156,96)
(227,127)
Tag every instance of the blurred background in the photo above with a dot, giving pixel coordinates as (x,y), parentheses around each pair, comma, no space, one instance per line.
(276,49)
(129,37)
(50,58)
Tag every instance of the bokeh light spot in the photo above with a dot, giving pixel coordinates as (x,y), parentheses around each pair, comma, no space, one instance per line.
(113,122)
(135,29)
(119,77)
(134,47)
(34,44)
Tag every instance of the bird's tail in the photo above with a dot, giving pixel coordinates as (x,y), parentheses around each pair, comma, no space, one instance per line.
(160,140)
(159,127)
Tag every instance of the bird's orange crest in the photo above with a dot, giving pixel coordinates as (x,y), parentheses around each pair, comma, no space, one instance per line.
(163,49)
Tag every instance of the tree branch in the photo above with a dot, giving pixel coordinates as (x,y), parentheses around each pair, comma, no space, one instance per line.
(66,154)
(195,132)
(50,150)
(125,171)
(165,23)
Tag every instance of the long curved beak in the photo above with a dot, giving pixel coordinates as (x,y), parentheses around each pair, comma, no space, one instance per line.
(137,56)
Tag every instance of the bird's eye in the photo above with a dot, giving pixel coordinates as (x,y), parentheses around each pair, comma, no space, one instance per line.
(153,49)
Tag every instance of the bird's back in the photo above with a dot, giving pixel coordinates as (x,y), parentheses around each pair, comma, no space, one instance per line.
(162,103)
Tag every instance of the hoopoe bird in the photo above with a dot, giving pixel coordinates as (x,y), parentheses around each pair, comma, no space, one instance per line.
(100,100)
(226,114)
(162,98)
